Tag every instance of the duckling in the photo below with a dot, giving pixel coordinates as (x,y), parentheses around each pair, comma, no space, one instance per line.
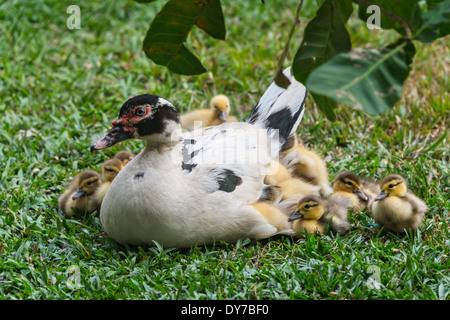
(275,217)
(218,114)
(78,196)
(348,184)
(290,187)
(110,169)
(296,189)
(312,215)
(396,208)
(124,156)
(277,173)
(308,165)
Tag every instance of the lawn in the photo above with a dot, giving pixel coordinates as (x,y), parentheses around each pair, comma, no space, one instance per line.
(60,89)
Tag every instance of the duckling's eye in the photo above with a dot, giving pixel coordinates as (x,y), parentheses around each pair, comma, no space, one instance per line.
(307,206)
(89,183)
(139,112)
(216,107)
(348,183)
(390,186)
(110,170)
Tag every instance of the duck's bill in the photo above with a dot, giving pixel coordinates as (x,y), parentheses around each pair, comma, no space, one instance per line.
(361,194)
(381,196)
(80,193)
(115,135)
(296,215)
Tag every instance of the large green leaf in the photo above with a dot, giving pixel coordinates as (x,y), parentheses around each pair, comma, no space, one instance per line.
(164,42)
(324,37)
(436,22)
(400,10)
(370,80)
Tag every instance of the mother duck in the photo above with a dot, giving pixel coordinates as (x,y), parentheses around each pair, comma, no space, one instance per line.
(198,187)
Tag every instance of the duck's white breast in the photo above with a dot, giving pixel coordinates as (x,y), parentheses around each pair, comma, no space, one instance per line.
(136,204)
(152,199)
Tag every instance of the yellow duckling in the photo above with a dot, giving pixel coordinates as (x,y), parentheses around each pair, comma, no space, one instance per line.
(312,215)
(124,156)
(289,187)
(283,190)
(78,196)
(348,184)
(396,208)
(217,114)
(110,169)
(308,165)
(296,189)
(275,217)
(277,173)
(307,216)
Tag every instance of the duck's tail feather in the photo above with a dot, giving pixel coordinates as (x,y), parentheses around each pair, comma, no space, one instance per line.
(280,110)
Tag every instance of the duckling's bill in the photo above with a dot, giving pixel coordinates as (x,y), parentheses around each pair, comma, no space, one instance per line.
(381,196)
(223,116)
(80,193)
(361,194)
(295,216)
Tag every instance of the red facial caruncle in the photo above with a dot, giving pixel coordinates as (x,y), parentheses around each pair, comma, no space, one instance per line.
(131,117)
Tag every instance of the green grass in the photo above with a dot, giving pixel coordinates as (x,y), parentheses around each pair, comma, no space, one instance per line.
(60,89)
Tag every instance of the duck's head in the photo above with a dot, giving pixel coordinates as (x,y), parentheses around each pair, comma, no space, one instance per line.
(220,105)
(124,156)
(349,182)
(308,208)
(147,117)
(88,182)
(393,185)
(111,168)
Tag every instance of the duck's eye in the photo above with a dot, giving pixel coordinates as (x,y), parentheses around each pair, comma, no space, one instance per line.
(139,112)
(216,107)
(307,206)
(348,183)
(390,186)
(110,170)
(89,183)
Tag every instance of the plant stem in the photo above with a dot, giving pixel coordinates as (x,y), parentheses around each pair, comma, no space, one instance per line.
(280,79)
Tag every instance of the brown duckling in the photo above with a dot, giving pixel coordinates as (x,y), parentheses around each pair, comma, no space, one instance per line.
(124,156)
(79,195)
(348,184)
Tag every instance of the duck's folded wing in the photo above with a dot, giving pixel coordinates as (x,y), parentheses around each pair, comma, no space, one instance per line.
(231,157)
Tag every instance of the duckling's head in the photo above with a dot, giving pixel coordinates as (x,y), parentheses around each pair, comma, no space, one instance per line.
(124,156)
(393,185)
(220,105)
(88,182)
(111,168)
(308,208)
(349,182)
(146,117)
